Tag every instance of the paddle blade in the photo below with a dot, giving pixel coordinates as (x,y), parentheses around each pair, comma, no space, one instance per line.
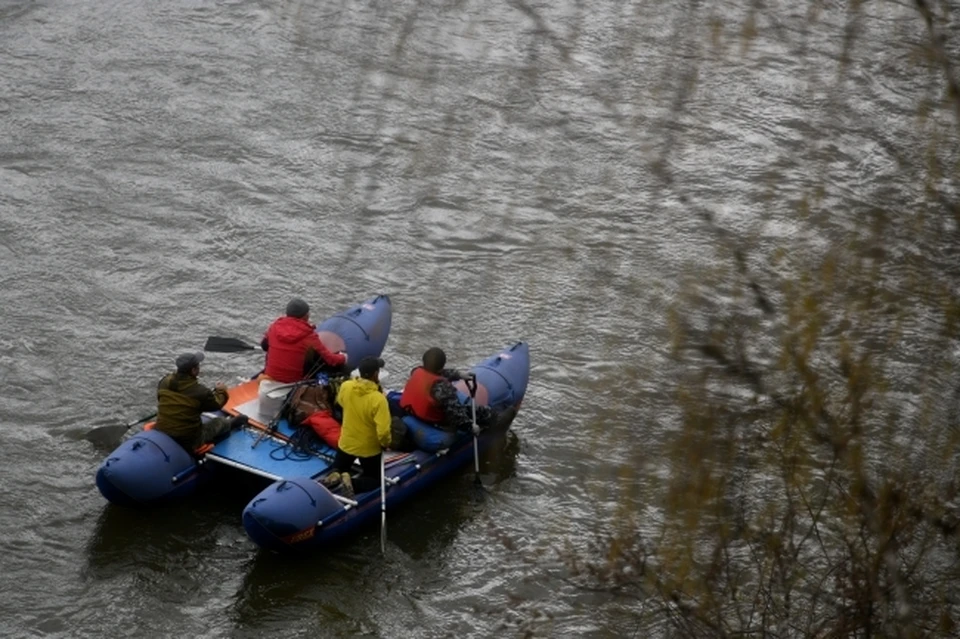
(109,436)
(227,345)
(106,437)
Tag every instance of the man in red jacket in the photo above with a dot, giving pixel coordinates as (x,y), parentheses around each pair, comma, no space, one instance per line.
(293,347)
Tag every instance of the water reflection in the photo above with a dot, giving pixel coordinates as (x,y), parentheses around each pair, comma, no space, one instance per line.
(126,537)
(420,534)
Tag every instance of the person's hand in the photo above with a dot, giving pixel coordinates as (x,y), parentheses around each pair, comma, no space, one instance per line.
(220,386)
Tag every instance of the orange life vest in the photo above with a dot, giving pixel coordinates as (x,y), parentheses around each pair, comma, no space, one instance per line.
(416,397)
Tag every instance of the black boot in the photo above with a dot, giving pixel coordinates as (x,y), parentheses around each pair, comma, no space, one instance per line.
(486,417)
(505,418)
(499,420)
(239,422)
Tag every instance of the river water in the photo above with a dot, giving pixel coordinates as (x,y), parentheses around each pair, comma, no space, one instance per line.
(511,170)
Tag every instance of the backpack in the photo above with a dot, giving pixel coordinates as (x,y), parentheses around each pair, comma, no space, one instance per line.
(307,400)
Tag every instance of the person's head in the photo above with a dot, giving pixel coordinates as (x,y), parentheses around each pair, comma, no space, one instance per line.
(189,363)
(296,307)
(369,368)
(434,360)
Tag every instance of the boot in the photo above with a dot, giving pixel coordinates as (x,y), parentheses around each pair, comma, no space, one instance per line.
(331,481)
(505,418)
(239,422)
(347,484)
(486,417)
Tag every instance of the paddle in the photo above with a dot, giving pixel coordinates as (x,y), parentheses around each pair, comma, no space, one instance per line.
(110,434)
(476,429)
(383,502)
(228,345)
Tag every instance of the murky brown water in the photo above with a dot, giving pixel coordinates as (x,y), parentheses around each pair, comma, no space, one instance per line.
(172,171)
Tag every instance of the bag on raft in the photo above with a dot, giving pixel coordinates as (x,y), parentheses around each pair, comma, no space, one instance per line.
(310,407)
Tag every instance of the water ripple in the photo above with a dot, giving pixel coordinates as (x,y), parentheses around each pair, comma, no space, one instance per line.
(171,172)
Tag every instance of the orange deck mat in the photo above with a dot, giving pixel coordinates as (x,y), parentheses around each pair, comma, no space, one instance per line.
(242,394)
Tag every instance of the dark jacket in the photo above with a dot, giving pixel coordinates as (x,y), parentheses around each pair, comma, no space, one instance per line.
(180,400)
(456,416)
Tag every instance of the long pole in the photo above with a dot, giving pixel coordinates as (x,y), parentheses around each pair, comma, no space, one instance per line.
(383,503)
(476,430)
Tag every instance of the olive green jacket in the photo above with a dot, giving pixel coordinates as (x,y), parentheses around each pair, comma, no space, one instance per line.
(180,400)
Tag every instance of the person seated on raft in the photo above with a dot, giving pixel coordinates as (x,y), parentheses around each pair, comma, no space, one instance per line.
(294,349)
(429,395)
(366,429)
(180,401)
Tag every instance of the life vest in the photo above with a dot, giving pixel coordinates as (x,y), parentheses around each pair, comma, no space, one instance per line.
(416,397)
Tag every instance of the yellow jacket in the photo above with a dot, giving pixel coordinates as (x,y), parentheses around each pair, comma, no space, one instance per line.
(366,418)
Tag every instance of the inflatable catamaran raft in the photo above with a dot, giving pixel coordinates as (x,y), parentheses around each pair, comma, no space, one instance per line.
(296,511)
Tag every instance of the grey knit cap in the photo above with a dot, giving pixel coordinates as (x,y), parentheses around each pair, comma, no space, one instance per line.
(297,308)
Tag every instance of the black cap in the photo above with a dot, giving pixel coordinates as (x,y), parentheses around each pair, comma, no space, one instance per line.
(297,308)
(368,366)
(188,361)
